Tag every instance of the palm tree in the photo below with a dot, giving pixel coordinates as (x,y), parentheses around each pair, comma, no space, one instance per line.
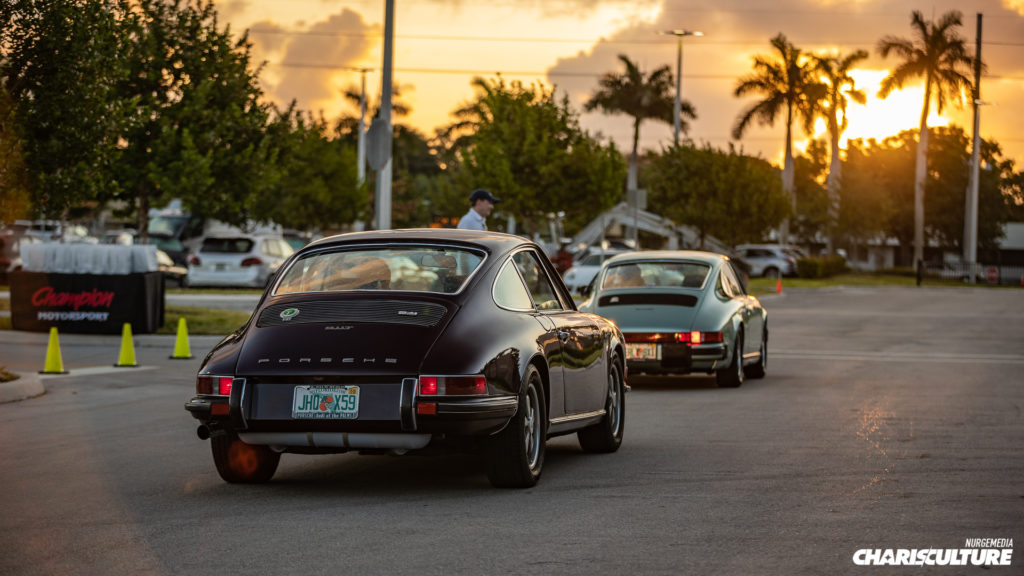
(840,88)
(786,84)
(936,52)
(641,96)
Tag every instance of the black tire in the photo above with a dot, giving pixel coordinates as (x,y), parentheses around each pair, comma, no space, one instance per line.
(606,435)
(761,368)
(771,272)
(732,375)
(515,456)
(238,462)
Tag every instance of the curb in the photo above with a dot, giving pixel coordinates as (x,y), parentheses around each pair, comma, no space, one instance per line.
(26,386)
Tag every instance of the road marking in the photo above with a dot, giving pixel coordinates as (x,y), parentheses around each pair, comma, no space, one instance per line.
(94,370)
(867,356)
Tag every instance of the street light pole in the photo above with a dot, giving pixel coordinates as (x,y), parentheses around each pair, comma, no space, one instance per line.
(679,34)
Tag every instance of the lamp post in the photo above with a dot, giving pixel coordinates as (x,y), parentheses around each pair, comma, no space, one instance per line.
(679,34)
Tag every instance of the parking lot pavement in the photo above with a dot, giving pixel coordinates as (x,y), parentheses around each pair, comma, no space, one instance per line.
(25,352)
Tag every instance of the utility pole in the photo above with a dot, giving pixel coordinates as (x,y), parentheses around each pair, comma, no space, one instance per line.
(382,199)
(971,209)
(361,150)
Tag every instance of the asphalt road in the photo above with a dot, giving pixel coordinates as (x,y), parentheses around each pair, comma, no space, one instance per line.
(890,419)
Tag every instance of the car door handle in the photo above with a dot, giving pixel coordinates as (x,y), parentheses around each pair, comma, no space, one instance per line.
(563,336)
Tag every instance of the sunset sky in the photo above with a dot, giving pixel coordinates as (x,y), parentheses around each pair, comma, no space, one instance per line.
(310,46)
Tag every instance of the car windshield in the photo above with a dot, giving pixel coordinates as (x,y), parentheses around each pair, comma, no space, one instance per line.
(227,245)
(167,225)
(441,269)
(596,259)
(656,275)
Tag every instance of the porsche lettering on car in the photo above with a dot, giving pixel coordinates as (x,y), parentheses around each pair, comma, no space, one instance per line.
(393,341)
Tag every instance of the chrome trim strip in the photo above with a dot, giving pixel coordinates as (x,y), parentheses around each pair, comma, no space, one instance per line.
(241,400)
(337,440)
(583,416)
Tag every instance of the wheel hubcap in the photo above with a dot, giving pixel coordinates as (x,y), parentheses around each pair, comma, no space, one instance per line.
(739,360)
(614,406)
(531,431)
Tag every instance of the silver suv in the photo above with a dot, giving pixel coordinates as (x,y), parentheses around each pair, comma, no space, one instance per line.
(771,260)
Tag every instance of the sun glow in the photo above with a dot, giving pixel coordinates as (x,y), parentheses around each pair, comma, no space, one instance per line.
(879,118)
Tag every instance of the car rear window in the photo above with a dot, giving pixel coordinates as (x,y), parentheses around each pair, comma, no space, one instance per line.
(656,275)
(227,245)
(415,268)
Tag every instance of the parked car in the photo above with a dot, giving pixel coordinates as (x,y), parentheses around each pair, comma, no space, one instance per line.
(174,274)
(770,260)
(10,250)
(578,277)
(238,260)
(683,312)
(392,341)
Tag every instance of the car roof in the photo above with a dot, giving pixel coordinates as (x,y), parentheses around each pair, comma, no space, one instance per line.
(494,242)
(710,258)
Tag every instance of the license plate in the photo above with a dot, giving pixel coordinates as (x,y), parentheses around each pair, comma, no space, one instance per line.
(643,351)
(326,402)
(220,267)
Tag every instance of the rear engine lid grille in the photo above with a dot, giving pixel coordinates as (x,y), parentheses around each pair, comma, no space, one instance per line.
(687,300)
(349,311)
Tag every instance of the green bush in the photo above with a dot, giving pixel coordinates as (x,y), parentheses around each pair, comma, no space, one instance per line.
(808,268)
(823,267)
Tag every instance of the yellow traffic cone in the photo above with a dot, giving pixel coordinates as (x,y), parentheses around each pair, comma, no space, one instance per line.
(181,349)
(127,357)
(54,363)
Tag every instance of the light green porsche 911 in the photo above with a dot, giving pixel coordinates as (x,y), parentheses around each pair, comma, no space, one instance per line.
(683,312)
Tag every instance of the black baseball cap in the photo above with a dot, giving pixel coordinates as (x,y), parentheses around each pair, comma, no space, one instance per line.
(481,194)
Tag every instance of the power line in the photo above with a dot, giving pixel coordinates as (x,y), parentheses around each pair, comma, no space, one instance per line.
(514,39)
(463,71)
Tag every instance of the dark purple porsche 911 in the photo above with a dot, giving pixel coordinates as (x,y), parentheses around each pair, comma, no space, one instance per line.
(392,341)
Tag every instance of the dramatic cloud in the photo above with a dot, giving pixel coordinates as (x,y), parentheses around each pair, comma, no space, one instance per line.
(306,64)
(736,30)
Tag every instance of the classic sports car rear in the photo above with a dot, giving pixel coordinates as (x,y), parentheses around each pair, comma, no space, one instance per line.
(683,312)
(390,341)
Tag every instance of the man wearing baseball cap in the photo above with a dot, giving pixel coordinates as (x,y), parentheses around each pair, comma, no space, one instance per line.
(481,202)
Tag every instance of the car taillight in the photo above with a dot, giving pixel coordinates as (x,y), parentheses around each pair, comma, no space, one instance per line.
(214,385)
(453,385)
(251,262)
(692,337)
(194,260)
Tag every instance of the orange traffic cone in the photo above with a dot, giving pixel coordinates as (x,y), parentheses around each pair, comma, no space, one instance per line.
(778,286)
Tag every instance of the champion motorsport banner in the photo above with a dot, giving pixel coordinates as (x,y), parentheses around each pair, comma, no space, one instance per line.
(87,303)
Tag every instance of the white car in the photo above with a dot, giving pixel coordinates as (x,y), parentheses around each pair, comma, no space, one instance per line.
(238,260)
(770,260)
(578,277)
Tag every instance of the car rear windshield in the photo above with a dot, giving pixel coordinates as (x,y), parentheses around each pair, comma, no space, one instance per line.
(414,268)
(656,274)
(227,245)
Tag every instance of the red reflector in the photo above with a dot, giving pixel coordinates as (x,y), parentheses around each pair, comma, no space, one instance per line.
(251,262)
(224,385)
(426,408)
(428,385)
(465,385)
(219,409)
(204,385)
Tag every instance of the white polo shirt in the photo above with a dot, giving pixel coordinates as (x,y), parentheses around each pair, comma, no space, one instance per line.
(472,221)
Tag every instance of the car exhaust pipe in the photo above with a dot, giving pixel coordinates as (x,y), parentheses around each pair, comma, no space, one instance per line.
(203,432)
